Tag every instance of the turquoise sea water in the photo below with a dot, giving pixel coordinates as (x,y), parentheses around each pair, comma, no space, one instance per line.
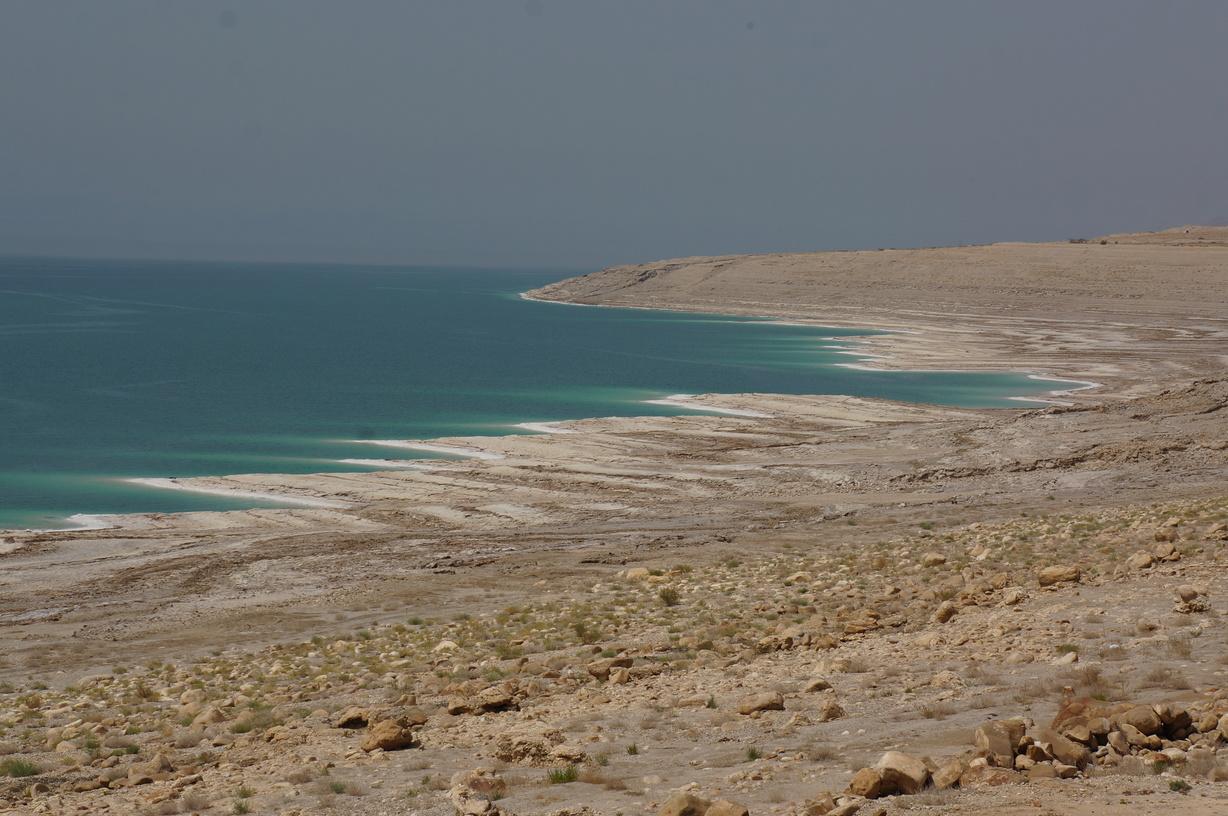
(119,369)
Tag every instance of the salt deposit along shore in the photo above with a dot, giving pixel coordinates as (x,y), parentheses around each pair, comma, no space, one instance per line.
(755,606)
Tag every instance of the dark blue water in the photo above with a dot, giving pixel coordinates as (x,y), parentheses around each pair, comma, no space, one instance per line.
(114,369)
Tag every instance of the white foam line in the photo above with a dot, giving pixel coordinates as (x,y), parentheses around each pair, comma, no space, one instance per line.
(90,521)
(83,521)
(684,401)
(544,427)
(1044,401)
(472,453)
(170,484)
(389,463)
(1082,385)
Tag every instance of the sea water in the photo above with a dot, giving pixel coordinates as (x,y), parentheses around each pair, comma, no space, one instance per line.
(111,370)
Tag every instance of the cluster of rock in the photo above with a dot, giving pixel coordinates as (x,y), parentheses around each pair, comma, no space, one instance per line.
(1085,732)
(388,729)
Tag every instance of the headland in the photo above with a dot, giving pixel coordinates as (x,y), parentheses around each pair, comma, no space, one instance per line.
(753,606)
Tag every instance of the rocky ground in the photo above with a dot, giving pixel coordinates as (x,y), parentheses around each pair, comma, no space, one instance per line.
(822,605)
(766,681)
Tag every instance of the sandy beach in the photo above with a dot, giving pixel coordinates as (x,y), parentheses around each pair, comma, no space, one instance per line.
(1133,329)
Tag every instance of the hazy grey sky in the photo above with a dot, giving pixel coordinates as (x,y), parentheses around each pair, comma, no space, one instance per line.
(584,134)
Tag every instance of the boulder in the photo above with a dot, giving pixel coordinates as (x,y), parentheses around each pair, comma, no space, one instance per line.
(902,773)
(1141,560)
(529,744)
(933,559)
(946,610)
(765,701)
(1066,751)
(820,805)
(1142,717)
(831,710)
(684,804)
(979,776)
(481,780)
(601,668)
(388,735)
(995,739)
(948,775)
(1118,742)
(724,807)
(1063,574)
(1167,552)
(867,782)
(468,802)
(1166,534)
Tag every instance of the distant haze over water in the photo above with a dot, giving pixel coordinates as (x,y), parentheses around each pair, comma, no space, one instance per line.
(120,369)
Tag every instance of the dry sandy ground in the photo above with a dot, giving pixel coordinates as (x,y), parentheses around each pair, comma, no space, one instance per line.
(1145,316)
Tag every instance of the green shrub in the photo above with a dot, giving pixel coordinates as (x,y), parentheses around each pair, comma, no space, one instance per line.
(561,776)
(17,767)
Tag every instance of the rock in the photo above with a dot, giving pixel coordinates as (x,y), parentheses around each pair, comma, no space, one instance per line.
(684,804)
(1141,560)
(496,698)
(1167,552)
(799,578)
(994,738)
(948,775)
(467,802)
(637,574)
(946,610)
(529,744)
(601,668)
(979,776)
(1188,593)
(902,773)
(867,782)
(1080,710)
(817,684)
(1065,750)
(1118,742)
(831,710)
(388,735)
(1166,534)
(210,716)
(724,807)
(1013,597)
(620,676)
(352,717)
(1144,718)
(445,646)
(766,701)
(1081,735)
(1048,576)
(193,695)
(481,780)
(933,559)
(820,805)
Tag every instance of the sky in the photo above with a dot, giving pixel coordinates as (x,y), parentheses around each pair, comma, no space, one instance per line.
(578,135)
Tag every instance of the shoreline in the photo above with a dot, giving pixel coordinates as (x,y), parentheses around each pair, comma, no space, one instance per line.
(886,576)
